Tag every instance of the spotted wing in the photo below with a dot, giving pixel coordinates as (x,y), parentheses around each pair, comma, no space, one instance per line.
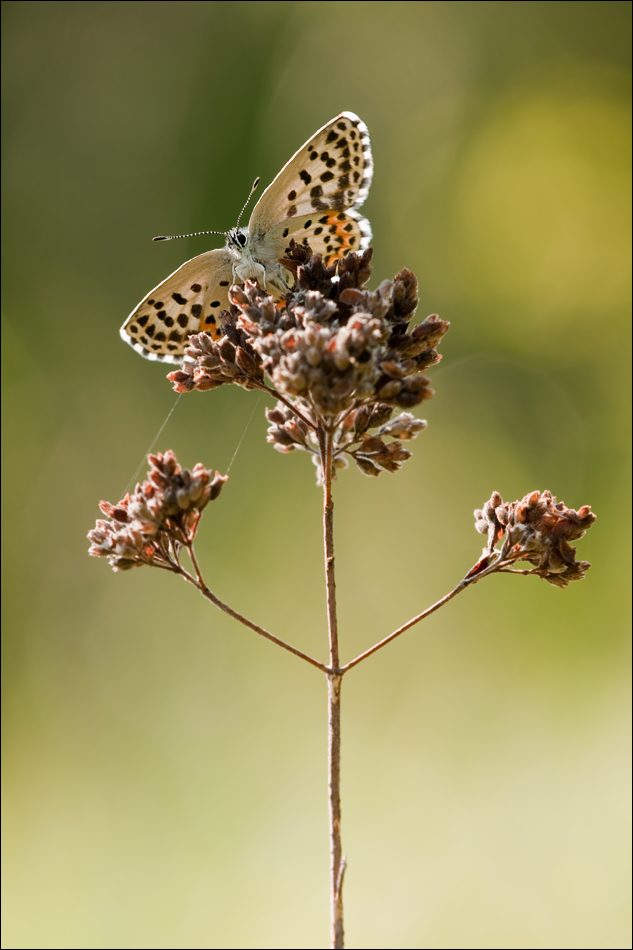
(333,234)
(187,302)
(330,175)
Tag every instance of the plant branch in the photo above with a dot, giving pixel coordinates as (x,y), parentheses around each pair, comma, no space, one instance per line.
(463,584)
(199,583)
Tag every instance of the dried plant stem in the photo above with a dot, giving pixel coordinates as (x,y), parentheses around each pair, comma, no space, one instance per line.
(337,861)
(410,623)
(334,679)
(471,578)
(199,583)
(325,447)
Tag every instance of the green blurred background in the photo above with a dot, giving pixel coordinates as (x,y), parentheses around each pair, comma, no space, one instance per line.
(164,768)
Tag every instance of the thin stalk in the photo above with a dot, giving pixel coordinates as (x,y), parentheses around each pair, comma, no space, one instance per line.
(410,623)
(199,583)
(325,447)
(467,581)
(286,402)
(337,861)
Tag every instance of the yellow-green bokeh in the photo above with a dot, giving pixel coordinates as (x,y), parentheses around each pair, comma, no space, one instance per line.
(164,768)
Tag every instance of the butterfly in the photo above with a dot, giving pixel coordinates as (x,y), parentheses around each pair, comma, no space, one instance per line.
(314,199)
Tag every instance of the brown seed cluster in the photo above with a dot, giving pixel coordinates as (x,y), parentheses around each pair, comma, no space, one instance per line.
(340,355)
(209,363)
(151,525)
(338,345)
(370,451)
(537,529)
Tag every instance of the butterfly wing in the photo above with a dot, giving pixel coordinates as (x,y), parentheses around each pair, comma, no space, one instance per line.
(333,234)
(189,301)
(314,197)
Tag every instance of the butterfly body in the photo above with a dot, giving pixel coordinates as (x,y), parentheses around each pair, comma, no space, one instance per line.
(255,260)
(313,200)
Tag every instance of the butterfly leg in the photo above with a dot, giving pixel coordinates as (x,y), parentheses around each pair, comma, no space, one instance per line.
(250,270)
(277,282)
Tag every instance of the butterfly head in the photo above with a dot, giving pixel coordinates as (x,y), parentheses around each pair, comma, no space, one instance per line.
(237,238)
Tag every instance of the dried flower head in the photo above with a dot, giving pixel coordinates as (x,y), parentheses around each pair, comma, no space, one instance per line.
(209,363)
(536,529)
(337,355)
(151,525)
(370,451)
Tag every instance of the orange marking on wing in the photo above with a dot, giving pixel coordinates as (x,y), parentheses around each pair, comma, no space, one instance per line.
(340,232)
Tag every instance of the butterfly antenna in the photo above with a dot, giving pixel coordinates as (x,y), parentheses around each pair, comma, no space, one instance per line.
(175,237)
(255,184)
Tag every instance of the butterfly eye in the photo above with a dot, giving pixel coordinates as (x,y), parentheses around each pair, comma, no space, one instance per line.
(241,239)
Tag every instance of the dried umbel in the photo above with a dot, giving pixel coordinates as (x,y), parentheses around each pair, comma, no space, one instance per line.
(338,356)
(370,451)
(151,525)
(537,529)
